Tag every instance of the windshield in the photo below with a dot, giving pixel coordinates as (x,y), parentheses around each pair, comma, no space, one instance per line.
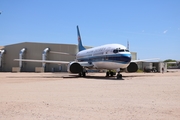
(120,50)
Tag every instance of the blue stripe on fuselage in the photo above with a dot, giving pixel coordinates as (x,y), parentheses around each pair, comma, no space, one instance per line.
(119,58)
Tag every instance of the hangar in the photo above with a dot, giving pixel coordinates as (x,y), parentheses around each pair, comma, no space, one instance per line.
(152,66)
(40,51)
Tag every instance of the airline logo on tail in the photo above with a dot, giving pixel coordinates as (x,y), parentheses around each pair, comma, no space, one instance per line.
(80,46)
(79,39)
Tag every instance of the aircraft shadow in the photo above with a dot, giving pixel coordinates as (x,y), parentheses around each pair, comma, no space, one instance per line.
(93,77)
(106,78)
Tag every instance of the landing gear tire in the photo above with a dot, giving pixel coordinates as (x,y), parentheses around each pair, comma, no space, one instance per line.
(111,74)
(107,74)
(82,74)
(119,76)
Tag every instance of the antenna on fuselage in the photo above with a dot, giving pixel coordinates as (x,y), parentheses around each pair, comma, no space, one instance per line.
(128,44)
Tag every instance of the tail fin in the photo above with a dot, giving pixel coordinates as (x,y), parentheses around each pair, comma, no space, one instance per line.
(80,46)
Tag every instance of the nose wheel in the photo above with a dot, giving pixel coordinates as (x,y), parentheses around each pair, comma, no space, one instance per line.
(119,76)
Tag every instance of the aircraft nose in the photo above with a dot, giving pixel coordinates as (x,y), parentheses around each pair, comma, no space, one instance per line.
(125,57)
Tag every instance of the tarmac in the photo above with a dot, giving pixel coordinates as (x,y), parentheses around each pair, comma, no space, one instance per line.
(62,96)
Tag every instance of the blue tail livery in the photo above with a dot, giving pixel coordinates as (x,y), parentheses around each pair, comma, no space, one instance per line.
(80,46)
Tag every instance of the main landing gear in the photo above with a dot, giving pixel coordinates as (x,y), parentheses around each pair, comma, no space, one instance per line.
(83,73)
(111,73)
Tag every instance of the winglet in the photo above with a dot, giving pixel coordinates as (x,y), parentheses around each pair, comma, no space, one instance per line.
(80,46)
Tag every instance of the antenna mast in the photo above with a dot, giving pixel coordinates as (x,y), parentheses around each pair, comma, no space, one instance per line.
(128,44)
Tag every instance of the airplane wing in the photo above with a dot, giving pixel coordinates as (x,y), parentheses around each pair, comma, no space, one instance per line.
(143,60)
(84,64)
(42,61)
(62,53)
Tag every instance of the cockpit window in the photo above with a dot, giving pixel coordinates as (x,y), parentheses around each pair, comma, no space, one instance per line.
(115,51)
(120,50)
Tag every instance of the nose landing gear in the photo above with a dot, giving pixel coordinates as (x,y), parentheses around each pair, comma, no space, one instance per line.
(119,76)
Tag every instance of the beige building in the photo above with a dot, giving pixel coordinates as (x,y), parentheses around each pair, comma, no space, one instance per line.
(134,56)
(39,51)
(1,47)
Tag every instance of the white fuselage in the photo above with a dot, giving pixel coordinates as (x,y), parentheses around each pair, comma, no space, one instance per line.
(110,56)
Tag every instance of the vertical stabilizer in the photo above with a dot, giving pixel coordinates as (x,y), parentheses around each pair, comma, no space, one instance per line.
(80,46)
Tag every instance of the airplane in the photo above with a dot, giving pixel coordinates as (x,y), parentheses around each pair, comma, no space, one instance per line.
(111,57)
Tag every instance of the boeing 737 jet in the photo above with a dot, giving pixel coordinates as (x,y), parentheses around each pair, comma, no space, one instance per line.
(106,57)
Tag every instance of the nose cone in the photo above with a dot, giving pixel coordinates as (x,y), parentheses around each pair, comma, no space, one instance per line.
(125,57)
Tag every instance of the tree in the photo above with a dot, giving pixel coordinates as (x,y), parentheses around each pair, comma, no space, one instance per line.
(170,60)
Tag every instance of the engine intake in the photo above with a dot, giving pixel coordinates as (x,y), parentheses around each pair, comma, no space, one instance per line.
(75,67)
(133,67)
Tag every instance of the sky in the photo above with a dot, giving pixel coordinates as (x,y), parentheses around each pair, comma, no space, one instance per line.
(152,27)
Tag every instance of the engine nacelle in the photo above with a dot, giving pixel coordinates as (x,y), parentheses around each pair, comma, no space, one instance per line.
(133,67)
(74,67)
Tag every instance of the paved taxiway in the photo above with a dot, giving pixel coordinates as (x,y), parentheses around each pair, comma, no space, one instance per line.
(49,96)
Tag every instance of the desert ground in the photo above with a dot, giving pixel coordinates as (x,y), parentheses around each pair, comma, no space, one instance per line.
(60,96)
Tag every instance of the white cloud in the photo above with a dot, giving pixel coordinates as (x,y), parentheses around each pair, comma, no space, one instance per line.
(165,31)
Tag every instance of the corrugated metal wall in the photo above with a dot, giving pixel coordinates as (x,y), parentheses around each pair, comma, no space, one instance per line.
(34,51)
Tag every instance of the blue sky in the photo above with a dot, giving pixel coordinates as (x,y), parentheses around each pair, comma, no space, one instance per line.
(152,27)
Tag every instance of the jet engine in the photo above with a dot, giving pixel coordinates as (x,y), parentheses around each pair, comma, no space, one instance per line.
(74,67)
(133,67)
